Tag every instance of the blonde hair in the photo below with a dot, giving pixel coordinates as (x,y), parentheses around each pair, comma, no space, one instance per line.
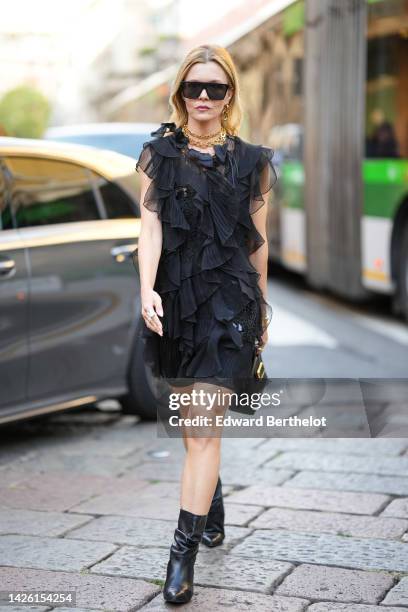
(204,54)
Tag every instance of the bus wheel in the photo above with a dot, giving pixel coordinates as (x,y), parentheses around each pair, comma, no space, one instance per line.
(402,283)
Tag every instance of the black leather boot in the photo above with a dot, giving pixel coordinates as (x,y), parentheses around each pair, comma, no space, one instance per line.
(178,587)
(214,532)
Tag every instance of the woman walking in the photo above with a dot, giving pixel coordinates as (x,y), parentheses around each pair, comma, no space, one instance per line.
(202,258)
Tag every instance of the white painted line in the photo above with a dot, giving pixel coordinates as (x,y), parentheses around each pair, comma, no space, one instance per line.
(287,329)
(392,329)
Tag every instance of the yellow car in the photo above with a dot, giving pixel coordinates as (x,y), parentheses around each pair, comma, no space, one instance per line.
(69,286)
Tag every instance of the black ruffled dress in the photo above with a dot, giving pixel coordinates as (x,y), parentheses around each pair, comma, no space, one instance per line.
(212,303)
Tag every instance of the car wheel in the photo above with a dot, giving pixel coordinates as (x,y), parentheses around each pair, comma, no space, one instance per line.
(140,399)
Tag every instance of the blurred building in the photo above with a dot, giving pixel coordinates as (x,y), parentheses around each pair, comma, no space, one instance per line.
(264,56)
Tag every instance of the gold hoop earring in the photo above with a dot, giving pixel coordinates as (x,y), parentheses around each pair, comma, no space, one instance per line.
(225,112)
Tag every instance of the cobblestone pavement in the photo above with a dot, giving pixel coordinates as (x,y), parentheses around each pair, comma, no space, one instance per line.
(89,502)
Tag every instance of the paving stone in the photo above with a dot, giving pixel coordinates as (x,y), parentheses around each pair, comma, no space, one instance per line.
(237,474)
(245,450)
(76,463)
(59,609)
(51,492)
(244,445)
(366,446)
(254,456)
(26,608)
(154,449)
(135,562)
(103,443)
(95,592)
(126,530)
(11,476)
(215,568)
(231,473)
(142,532)
(294,460)
(311,521)
(51,553)
(165,471)
(335,584)
(221,570)
(208,600)
(393,485)
(398,596)
(162,471)
(159,501)
(326,549)
(33,522)
(240,514)
(310,499)
(339,607)
(141,515)
(397,508)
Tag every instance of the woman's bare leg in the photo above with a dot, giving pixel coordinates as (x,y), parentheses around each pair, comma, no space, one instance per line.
(200,474)
(202,459)
(198,483)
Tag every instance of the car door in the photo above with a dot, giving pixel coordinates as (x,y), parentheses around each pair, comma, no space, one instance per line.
(13,305)
(121,228)
(77,342)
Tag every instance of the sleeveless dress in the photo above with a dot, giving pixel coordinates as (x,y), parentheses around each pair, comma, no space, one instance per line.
(213,307)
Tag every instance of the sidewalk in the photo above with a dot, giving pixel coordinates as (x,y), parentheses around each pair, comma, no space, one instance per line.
(317,525)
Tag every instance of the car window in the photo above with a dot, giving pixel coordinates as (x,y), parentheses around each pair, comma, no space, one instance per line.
(126,144)
(46,191)
(117,202)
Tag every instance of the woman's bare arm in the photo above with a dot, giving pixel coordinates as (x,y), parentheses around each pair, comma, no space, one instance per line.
(259,258)
(149,251)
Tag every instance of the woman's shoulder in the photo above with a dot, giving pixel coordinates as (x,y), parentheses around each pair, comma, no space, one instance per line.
(250,155)
(162,143)
(250,148)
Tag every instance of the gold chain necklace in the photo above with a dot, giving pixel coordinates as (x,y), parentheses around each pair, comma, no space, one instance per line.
(206,140)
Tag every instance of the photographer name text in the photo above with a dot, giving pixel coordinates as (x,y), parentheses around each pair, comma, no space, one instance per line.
(258,421)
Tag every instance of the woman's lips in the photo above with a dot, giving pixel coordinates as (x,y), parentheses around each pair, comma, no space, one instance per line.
(202,107)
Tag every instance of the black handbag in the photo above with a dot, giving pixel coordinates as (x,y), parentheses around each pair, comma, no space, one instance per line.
(255,384)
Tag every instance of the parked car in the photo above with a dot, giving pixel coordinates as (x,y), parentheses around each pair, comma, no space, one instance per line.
(69,288)
(125,138)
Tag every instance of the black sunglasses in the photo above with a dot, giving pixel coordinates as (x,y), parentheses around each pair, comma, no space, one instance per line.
(193,89)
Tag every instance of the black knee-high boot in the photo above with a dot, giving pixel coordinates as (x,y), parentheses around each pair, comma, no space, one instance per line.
(214,532)
(178,587)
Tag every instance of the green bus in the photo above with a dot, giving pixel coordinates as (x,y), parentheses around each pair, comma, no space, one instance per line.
(340,133)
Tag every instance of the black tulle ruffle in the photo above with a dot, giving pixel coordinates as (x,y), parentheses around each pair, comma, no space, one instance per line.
(213,306)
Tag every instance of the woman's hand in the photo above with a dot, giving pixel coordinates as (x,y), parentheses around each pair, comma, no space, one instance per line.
(152,305)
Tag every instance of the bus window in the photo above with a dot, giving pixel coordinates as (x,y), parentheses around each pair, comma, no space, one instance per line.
(387,80)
